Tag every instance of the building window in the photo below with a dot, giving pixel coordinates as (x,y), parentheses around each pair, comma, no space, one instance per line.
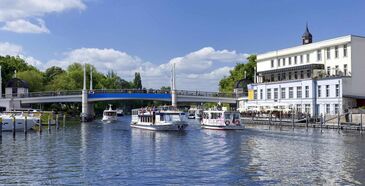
(308,59)
(268,94)
(307,91)
(283,61)
(278,62)
(284,76)
(279,77)
(291,92)
(327,91)
(289,59)
(295,60)
(301,74)
(336,51)
(261,94)
(301,59)
(328,71)
(307,108)
(272,63)
(319,55)
(328,108)
(289,74)
(255,94)
(345,69)
(319,91)
(295,75)
(299,108)
(328,53)
(337,90)
(309,74)
(299,92)
(272,77)
(336,109)
(283,93)
(276,93)
(344,50)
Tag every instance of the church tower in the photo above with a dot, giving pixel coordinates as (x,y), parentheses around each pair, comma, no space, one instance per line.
(307,36)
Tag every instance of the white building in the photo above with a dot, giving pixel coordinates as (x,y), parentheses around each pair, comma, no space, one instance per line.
(322,77)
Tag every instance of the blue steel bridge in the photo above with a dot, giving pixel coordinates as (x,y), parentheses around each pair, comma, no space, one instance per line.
(123,95)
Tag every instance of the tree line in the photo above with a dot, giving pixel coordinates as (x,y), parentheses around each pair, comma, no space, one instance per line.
(55,78)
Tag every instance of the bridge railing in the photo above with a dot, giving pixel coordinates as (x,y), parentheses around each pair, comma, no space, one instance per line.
(130,91)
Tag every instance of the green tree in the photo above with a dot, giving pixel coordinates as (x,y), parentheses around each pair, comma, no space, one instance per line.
(8,66)
(34,79)
(167,88)
(52,72)
(62,82)
(227,83)
(137,82)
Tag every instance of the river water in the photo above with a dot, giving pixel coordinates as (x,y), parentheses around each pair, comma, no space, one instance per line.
(114,154)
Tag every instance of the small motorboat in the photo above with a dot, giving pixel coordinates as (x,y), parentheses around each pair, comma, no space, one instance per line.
(109,115)
(20,117)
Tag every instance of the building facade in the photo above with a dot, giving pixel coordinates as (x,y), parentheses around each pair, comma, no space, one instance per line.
(316,78)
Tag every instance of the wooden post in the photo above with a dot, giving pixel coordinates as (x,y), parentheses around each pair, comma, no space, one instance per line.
(321,123)
(40,124)
(25,124)
(57,123)
(306,121)
(270,118)
(1,127)
(361,123)
(64,119)
(292,120)
(280,119)
(338,121)
(49,123)
(13,126)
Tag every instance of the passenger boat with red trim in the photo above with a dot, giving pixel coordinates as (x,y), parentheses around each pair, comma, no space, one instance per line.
(162,119)
(222,120)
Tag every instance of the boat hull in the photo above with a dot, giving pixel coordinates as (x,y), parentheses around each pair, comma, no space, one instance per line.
(221,127)
(19,123)
(171,127)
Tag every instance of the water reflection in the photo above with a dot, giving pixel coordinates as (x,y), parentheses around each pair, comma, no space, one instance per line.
(96,154)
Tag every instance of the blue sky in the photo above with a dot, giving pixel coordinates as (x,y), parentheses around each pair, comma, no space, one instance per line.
(206,38)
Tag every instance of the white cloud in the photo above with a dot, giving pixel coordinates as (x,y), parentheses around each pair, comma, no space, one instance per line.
(16,13)
(104,60)
(205,59)
(23,26)
(10,49)
(17,50)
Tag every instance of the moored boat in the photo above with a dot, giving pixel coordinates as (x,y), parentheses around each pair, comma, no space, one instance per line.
(195,113)
(32,119)
(221,120)
(161,119)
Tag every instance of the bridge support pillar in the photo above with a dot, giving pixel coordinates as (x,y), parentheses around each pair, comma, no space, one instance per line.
(86,114)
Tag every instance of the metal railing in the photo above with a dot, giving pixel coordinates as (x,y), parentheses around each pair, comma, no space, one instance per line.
(129,91)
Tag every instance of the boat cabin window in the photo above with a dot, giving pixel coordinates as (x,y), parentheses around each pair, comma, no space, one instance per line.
(227,116)
(236,116)
(215,115)
(205,115)
(110,113)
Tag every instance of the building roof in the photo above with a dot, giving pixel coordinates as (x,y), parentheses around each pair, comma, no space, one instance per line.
(17,83)
(304,48)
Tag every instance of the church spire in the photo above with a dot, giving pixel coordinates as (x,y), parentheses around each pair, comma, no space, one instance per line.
(307,36)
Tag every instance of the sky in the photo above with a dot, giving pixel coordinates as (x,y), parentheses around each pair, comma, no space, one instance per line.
(204,38)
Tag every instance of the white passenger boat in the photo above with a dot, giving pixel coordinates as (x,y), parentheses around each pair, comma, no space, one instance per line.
(162,118)
(8,118)
(110,115)
(221,120)
(195,113)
